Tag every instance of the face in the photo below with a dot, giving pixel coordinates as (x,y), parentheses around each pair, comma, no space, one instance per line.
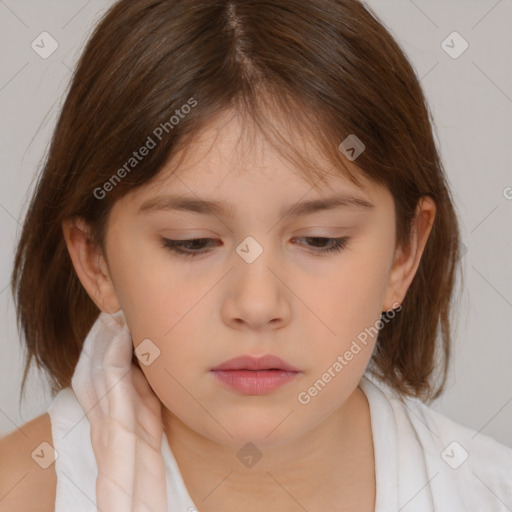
(263,279)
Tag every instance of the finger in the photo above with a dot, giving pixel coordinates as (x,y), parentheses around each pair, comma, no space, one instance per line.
(150,490)
(117,378)
(116,468)
(91,358)
(111,357)
(148,409)
(82,381)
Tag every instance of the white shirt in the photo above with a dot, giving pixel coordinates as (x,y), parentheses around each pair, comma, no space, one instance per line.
(424,462)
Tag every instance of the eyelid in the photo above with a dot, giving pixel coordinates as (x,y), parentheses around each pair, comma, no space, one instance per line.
(325,231)
(337,244)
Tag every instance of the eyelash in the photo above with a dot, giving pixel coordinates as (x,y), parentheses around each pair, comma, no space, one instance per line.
(176,246)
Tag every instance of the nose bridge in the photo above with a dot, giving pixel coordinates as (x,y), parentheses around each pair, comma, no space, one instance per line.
(252,270)
(256,292)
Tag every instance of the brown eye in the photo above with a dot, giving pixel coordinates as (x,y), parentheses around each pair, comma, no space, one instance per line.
(192,247)
(322,244)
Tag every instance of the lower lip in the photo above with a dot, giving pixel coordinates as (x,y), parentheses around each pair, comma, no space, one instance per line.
(254,382)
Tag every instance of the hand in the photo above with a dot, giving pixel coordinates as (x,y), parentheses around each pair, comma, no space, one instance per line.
(125,419)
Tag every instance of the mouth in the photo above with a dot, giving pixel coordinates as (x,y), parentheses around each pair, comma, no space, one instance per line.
(249,362)
(250,375)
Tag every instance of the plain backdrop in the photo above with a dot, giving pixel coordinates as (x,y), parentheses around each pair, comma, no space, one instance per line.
(470,98)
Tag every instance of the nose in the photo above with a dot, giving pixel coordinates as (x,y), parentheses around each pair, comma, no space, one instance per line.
(256,295)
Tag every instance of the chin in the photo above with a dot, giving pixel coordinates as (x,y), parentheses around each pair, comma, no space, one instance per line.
(251,429)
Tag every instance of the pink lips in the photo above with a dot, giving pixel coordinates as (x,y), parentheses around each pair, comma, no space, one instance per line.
(251,375)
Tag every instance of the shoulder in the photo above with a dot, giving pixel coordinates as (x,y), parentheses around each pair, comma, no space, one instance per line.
(463,466)
(479,466)
(27,475)
(482,450)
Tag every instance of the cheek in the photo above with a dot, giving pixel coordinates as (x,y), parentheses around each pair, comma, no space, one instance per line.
(178,360)
(349,300)
(164,313)
(153,292)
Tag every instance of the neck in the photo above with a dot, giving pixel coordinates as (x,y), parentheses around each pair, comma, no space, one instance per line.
(330,464)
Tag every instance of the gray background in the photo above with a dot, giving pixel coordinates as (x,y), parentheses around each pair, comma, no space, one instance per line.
(471,100)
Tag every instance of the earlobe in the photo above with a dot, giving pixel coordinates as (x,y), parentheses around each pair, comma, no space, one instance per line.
(407,259)
(90,265)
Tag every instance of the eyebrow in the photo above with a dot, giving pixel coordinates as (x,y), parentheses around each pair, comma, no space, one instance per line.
(211,207)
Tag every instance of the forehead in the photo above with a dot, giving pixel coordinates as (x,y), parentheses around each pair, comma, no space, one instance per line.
(229,163)
(231,147)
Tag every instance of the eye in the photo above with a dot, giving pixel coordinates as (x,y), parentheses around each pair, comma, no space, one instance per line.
(186,247)
(195,246)
(333,244)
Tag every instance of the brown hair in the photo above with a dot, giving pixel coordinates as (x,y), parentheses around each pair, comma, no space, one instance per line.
(327,68)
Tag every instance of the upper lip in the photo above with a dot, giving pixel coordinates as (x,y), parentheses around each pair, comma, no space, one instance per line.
(247,362)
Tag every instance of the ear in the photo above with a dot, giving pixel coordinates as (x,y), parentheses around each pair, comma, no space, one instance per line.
(407,259)
(90,265)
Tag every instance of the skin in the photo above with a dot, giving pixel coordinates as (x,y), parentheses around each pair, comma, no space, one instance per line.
(293,301)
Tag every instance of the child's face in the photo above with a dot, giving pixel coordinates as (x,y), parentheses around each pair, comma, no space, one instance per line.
(293,301)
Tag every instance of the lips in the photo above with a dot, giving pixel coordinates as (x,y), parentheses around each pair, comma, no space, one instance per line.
(250,375)
(266,362)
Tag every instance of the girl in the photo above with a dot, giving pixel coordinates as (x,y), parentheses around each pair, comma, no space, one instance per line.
(237,270)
